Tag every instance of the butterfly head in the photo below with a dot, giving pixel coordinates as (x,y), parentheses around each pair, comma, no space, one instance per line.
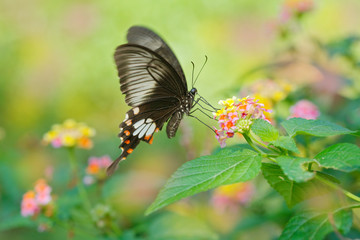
(192,92)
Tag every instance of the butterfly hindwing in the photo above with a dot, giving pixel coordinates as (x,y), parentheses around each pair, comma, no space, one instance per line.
(140,124)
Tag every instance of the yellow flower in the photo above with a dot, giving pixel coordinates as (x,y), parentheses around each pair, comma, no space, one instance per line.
(70,134)
(70,123)
(68,140)
(51,135)
(86,131)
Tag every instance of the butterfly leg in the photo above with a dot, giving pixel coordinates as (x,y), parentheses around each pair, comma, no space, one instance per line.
(207,103)
(202,112)
(202,122)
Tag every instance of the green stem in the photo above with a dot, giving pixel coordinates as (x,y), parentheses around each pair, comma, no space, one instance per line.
(333,185)
(258,142)
(250,142)
(82,192)
(307,139)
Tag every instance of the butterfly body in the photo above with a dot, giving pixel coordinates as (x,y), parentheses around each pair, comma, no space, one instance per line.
(154,85)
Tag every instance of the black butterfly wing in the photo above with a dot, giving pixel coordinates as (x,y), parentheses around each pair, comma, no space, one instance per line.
(140,124)
(152,86)
(145,37)
(146,76)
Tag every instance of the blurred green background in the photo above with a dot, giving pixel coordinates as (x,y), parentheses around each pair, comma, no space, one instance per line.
(56,62)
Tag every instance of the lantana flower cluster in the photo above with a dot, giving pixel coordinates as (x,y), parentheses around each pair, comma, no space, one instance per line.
(38,200)
(233,195)
(236,116)
(96,169)
(70,134)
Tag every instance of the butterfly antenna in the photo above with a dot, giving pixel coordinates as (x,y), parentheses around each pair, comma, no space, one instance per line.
(192,74)
(206,58)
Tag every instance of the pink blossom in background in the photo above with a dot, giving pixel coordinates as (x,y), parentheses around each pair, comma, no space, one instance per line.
(37,200)
(304,109)
(29,206)
(96,169)
(56,143)
(43,198)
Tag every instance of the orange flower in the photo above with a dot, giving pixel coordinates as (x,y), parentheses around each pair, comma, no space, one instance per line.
(85,143)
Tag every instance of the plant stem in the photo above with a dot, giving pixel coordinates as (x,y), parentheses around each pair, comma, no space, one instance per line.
(333,185)
(81,188)
(258,142)
(250,142)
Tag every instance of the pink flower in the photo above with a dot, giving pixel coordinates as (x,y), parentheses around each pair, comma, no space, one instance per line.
(56,143)
(96,169)
(43,198)
(304,109)
(37,201)
(221,137)
(29,206)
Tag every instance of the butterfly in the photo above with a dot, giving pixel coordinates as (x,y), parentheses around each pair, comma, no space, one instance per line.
(154,85)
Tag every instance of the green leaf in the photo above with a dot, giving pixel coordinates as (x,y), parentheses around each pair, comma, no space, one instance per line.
(294,169)
(286,143)
(342,156)
(16,221)
(317,128)
(291,191)
(265,130)
(207,172)
(235,147)
(176,227)
(314,225)
(342,47)
(356,133)
(328,177)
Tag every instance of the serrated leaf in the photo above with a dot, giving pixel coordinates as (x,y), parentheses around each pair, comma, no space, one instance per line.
(265,130)
(291,191)
(294,169)
(342,156)
(319,128)
(315,226)
(286,143)
(176,227)
(207,172)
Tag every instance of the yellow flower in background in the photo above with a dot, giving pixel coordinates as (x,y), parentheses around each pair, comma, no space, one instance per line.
(70,134)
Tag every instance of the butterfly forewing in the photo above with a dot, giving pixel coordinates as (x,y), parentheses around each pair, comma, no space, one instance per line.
(147,38)
(145,75)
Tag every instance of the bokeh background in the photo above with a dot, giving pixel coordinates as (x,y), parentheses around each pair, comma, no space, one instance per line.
(56,63)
